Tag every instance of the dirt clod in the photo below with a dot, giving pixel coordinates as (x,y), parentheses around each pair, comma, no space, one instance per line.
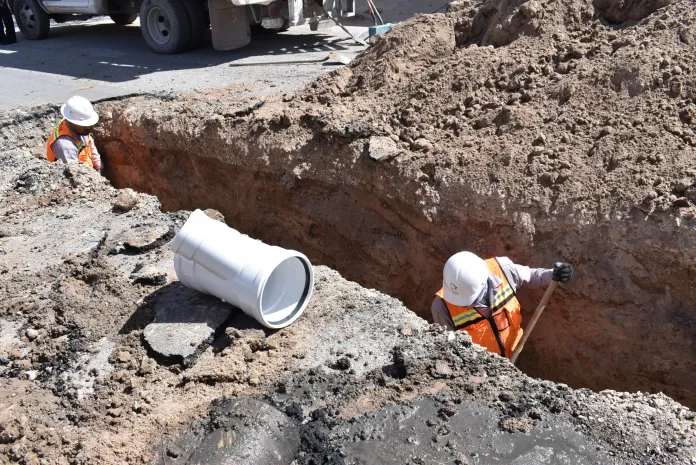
(126,200)
(32,334)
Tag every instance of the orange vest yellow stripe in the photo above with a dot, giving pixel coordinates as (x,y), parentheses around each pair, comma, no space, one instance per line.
(501,332)
(84,151)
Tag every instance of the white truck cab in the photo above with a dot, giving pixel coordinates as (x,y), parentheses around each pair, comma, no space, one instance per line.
(173,26)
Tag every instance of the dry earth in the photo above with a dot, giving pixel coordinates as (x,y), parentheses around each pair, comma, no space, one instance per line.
(539,131)
(80,386)
(536,130)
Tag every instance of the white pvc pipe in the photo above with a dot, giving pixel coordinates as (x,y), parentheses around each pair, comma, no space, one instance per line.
(270,284)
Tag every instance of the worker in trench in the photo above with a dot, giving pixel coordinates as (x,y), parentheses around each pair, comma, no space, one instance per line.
(478,296)
(71,141)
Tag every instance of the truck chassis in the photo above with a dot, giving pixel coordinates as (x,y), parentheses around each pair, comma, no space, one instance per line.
(175,26)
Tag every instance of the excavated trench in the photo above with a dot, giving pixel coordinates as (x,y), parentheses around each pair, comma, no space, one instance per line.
(625,322)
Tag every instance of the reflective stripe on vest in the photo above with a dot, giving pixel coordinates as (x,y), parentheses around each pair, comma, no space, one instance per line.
(84,152)
(467,317)
(504,295)
(499,333)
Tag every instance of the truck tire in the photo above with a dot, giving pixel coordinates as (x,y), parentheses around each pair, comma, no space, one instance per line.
(165,26)
(32,20)
(199,22)
(123,19)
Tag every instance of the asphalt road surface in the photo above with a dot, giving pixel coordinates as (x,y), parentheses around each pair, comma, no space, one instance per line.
(98,59)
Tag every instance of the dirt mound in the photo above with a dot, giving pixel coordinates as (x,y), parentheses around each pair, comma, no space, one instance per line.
(574,141)
(79,386)
(535,131)
(455,407)
(572,112)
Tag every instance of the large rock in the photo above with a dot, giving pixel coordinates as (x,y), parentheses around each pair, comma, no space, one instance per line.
(126,200)
(382,148)
(185,323)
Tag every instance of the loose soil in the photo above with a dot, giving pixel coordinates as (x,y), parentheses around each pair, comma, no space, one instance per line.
(80,386)
(539,131)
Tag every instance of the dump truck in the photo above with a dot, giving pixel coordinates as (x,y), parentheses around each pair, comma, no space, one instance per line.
(174,26)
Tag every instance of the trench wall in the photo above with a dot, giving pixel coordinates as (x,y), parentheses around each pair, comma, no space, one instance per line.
(625,322)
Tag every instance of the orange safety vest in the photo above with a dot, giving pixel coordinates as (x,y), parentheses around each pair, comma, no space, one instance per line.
(502,330)
(84,151)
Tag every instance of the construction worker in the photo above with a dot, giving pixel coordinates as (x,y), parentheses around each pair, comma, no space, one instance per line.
(478,296)
(71,141)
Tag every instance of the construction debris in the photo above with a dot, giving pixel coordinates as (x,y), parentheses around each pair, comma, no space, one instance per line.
(185,323)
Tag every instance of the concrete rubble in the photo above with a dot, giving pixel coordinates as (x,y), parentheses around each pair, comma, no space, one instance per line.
(185,323)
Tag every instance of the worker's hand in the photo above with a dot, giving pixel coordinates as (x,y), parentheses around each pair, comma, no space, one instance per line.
(562,272)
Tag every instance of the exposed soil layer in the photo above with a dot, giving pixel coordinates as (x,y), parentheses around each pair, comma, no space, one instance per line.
(534,130)
(79,386)
(538,131)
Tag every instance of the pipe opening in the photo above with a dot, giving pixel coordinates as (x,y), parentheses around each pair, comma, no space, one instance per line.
(285,293)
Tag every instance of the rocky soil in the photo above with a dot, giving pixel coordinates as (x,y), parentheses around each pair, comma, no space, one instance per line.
(86,267)
(536,130)
(80,384)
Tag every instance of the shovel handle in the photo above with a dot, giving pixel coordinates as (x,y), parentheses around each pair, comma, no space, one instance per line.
(535,317)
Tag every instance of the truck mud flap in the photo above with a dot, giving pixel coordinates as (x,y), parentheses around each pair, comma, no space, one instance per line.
(229,24)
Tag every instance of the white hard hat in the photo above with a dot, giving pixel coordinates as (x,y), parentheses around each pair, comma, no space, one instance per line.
(464,277)
(79,111)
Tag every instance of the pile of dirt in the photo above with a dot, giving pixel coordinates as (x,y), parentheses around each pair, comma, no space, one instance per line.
(535,130)
(547,102)
(538,130)
(79,384)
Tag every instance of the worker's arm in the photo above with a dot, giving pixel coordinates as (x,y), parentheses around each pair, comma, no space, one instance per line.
(65,150)
(524,276)
(441,315)
(96,158)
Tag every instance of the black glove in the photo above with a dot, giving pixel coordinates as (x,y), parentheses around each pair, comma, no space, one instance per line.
(562,272)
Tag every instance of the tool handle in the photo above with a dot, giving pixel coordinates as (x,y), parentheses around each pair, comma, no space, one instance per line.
(535,317)
(376,11)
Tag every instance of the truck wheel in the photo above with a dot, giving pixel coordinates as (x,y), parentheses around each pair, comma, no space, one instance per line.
(124,19)
(200,24)
(31,19)
(165,26)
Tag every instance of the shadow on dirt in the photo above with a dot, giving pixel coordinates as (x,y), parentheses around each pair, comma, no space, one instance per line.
(176,303)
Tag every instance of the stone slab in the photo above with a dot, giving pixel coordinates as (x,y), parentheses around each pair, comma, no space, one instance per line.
(185,322)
